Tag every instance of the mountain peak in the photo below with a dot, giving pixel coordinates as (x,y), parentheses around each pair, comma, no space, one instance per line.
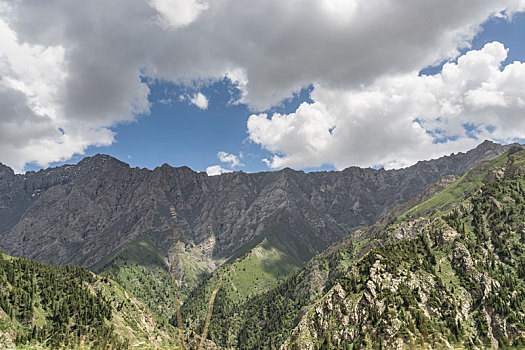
(99,160)
(484,151)
(6,171)
(488,145)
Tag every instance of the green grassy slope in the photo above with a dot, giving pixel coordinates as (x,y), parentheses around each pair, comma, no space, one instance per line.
(460,189)
(258,270)
(262,268)
(144,272)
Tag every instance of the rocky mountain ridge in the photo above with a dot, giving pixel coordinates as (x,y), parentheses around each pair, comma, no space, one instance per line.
(79,214)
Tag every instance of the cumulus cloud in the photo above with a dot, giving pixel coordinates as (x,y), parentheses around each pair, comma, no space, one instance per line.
(231,159)
(216,170)
(83,69)
(32,127)
(228,158)
(199,100)
(397,120)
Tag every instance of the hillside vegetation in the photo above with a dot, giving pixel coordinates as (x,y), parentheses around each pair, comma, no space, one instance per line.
(459,282)
(446,269)
(68,307)
(408,244)
(143,272)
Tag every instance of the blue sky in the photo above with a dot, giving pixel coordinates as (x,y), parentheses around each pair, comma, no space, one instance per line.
(323,86)
(509,32)
(182,134)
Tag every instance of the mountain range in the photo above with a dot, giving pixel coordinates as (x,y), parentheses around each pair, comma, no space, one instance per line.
(79,214)
(284,240)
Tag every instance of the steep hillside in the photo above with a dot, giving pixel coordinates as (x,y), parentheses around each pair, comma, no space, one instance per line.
(460,281)
(141,270)
(68,307)
(266,320)
(255,229)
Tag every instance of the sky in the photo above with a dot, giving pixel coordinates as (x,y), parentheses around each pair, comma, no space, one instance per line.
(229,85)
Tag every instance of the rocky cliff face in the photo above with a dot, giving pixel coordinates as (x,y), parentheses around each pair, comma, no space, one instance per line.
(79,214)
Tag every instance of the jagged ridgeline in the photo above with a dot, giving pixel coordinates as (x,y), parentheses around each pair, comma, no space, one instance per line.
(451,277)
(444,269)
(45,306)
(257,229)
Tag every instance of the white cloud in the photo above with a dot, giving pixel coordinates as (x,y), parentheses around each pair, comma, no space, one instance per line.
(400,119)
(83,68)
(199,100)
(32,124)
(232,159)
(178,13)
(340,10)
(34,70)
(167,101)
(216,170)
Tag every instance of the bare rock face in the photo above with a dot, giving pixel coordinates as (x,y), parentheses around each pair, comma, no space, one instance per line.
(79,214)
(6,172)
